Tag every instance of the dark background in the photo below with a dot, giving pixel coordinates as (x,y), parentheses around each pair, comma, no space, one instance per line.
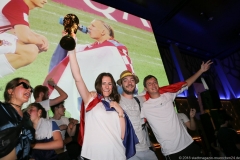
(189,32)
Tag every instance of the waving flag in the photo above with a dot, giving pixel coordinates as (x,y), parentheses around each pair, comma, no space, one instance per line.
(170,88)
(109,56)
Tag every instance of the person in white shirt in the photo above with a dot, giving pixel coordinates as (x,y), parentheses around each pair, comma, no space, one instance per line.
(160,113)
(104,130)
(41,95)
(47,134)
(188,123)
(64,125)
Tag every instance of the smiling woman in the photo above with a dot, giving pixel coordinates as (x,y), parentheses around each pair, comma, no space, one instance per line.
(102,112)
(14,123)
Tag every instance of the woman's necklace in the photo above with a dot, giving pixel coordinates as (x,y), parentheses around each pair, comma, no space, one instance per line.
(16,105)
(18,109)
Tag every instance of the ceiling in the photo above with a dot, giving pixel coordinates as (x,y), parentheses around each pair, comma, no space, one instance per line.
(202,28)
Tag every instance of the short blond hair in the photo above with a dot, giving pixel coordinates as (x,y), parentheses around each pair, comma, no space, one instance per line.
(109,28)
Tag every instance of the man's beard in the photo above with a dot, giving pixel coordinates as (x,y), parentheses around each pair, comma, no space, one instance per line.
(128,92)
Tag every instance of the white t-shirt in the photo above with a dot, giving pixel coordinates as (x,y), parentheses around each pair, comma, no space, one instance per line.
(61,121)
(167,128)
(183,118)
(9,43)
(102,135)
(45,129)
(131,107)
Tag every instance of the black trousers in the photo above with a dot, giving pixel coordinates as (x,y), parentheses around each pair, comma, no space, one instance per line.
(190,152)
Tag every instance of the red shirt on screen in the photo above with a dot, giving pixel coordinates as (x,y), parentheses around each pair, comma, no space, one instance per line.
(13,12)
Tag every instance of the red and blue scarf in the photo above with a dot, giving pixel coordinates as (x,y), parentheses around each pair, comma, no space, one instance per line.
(172,88)
(130,138)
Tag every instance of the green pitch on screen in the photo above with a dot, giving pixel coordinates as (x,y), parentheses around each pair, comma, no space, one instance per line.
(141,45)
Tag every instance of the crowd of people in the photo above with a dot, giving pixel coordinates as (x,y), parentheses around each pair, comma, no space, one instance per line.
(112,125)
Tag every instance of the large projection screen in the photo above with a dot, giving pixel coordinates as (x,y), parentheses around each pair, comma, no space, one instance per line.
(132,31)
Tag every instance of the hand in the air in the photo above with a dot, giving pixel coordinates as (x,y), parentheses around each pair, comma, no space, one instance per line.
(51,82)
(206,66)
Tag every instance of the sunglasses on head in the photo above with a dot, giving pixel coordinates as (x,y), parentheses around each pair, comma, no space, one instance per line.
(26,86)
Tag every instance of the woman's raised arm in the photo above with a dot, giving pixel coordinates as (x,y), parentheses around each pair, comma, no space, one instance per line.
(81,86)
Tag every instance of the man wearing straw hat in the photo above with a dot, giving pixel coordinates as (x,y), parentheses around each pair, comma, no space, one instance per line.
(132,106)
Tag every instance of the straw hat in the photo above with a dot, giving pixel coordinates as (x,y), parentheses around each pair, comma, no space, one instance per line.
(125,74)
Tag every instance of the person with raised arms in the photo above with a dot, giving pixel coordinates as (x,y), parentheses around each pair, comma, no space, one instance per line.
(159,112)
(105,122)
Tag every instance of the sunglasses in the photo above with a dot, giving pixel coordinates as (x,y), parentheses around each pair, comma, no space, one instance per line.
(25,85)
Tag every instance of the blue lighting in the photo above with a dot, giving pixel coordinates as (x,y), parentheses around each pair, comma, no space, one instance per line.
(181,95)
(190,24)
(222,97)
(226,85)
